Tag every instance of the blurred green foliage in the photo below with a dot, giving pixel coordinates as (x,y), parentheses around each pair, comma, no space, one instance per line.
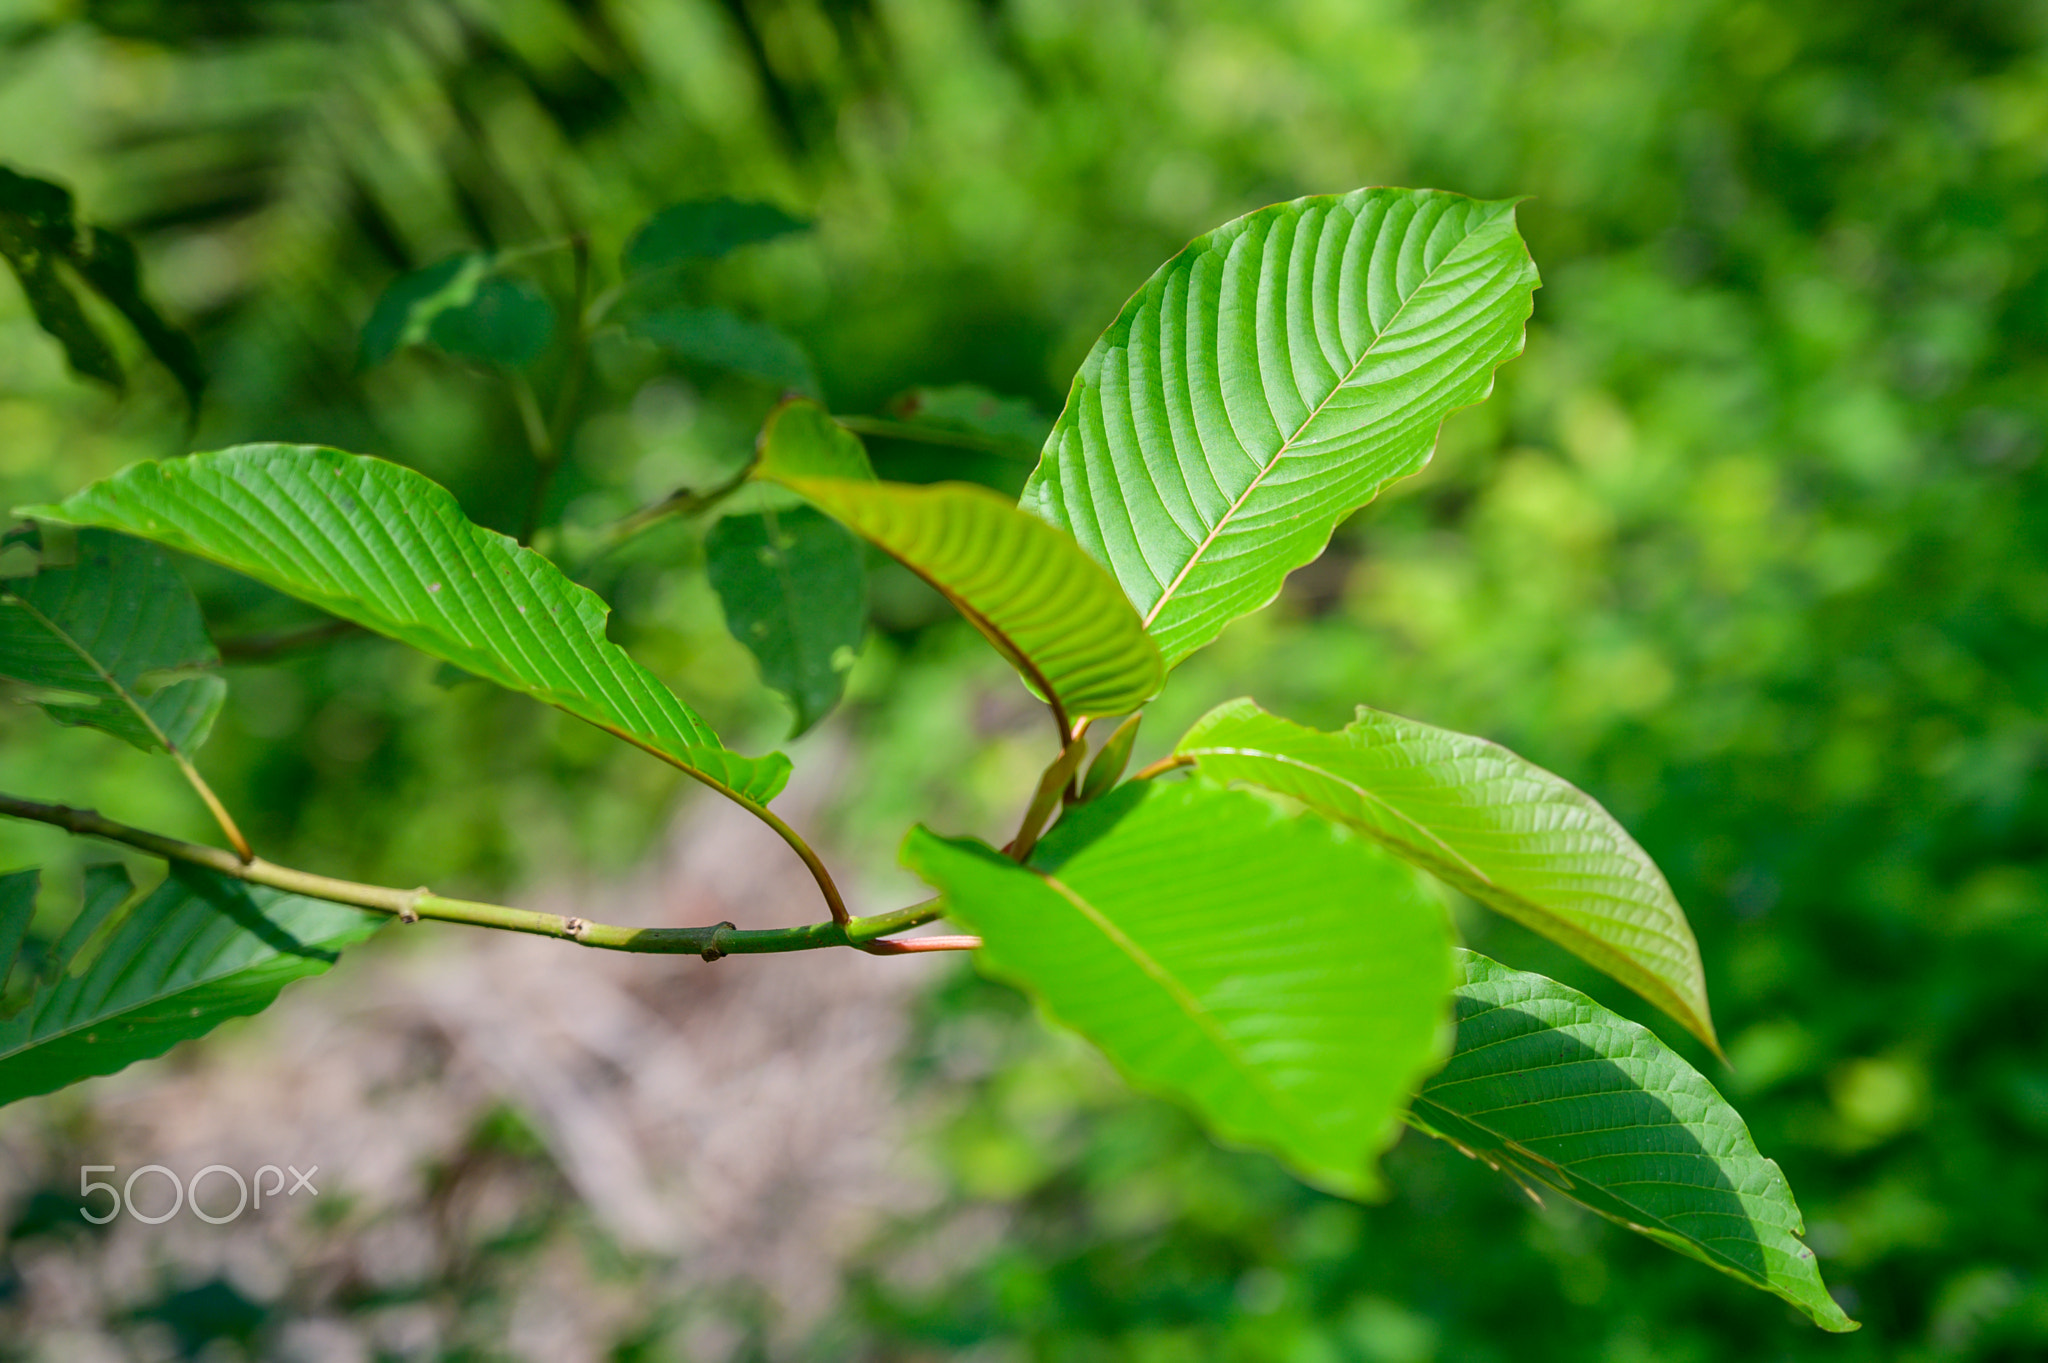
(1752,544)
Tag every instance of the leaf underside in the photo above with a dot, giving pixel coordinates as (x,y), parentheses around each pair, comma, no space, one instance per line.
(1550,1087)
(1284,980)
(794,589)
(1511,835)
(1266,382)
(381,545)
(198,950)
(102,632)
(1045,605)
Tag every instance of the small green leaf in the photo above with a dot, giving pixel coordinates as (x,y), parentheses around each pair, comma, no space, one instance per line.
(1108,767)
(118,634)
(795,593)
(107,261)
(463,306)
(718,339)
(992,421)
(389,549)
(17,907)
(801,440)
(1501,829)
(1284,980)
(1550,1087)
(1047,607)
(704,229)
(1268,381)
(198,950)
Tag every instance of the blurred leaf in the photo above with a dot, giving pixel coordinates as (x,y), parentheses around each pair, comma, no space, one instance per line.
(389,549)
(464,307)
(38,227)
(1550,1087)
(17,907)
(801,440)
(795,593)
(1011,425)
(704,229)
(1267,382)
(1497,827)
(107,888)
(198,950)
(724,340)
(108,635)
(1285,981)
(1046,606)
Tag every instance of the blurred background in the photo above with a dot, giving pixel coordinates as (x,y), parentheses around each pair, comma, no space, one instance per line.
(1752,544)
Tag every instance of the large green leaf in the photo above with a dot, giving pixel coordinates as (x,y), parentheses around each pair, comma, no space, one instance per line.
(1283,979)
(1504,831)
(198,950)
(1268,381)
(389,549)
(103,638)
(794,590)
(1552,1088)
(1045,605)
(464,306)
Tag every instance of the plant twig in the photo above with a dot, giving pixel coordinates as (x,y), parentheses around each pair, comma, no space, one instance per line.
(1051,788)
(721,939)
(1164,765)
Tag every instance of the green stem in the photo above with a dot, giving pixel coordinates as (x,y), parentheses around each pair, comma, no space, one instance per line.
(927,435)
(721,939)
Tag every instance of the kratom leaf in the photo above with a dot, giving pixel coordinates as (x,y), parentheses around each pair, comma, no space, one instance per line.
(1045,605)
(704,229)
(1550,1087)
(105,639)
(198,950)
(988,419)
(1284,980)
(794,590)
(107,887)
(463,306)
(1266,382)
(724,340)
(17,908)
(1501,829)
(1108,767)
(801,440)
(38,228)
(389,549)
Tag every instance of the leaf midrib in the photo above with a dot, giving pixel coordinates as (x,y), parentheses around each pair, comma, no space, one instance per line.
(1286,445)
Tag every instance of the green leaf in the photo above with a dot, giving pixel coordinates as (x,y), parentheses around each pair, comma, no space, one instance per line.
(1284,980)
(988,419)
(38,228)
(724,340)
(463,306)
(389,549)
(801,440)
(17,907)
(704,229)
(105,640)
(1266,382)
(1501,829)
(1045,605)
(107,888)
(1108,767)
(795,593)
(198,950)
(1550,1087)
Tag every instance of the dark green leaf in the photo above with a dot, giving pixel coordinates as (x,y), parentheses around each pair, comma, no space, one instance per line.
(17,907)
(107,640)
(198,950)
(795,593)
(1550,1087)
(108,263)
(389,549)
(1286,981)
(463,306)
(1269,380)
(718,339)
(704,229)
(1499,828)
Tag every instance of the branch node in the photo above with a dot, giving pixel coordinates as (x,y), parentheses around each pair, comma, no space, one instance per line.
(409,911)
(715,952)
(573,928)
